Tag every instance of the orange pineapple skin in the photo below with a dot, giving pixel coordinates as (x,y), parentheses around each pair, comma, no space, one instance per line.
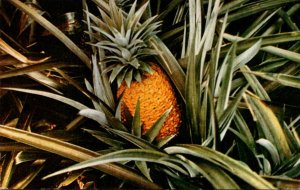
(156,95)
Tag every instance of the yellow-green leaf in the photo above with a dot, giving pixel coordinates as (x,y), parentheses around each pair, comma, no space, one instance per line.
(73,152)
(286,80)
(270,126)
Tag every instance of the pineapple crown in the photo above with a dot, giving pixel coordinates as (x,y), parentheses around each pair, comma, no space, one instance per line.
(124,40)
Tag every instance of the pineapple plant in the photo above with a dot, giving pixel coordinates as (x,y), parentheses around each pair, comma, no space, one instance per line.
(242,133)
(138,77)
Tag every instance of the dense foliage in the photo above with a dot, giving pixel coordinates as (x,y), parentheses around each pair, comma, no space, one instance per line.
(233,64)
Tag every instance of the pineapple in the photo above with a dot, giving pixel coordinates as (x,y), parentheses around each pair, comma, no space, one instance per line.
(128,56)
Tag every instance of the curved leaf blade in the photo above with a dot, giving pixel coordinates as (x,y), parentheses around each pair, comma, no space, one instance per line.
(271,127)
(217,176)
(123,155)
(271,148)
(95,115)
(223,161)
(57,97)
(152,133)
(283,79)
(73,152)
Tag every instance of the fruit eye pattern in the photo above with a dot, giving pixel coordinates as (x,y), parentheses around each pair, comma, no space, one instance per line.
(156,95)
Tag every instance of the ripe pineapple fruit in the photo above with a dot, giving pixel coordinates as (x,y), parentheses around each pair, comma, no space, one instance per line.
(125,43)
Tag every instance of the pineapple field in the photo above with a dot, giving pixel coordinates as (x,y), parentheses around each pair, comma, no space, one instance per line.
(151,94)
